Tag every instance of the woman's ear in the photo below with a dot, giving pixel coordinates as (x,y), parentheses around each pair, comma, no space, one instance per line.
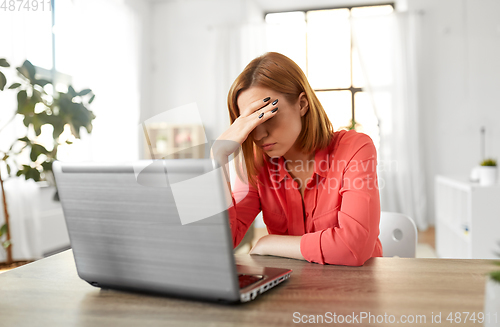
(303,104)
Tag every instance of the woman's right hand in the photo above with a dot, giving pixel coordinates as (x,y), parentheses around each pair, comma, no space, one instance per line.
(251,116)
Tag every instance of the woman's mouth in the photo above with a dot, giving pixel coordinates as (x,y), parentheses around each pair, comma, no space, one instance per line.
(267,146)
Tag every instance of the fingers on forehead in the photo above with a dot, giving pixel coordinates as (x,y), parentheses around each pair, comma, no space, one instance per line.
(254,106)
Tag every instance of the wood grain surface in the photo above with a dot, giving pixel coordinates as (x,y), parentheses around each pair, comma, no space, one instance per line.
(49,292)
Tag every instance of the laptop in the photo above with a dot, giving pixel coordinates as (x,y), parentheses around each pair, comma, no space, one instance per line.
(128,231)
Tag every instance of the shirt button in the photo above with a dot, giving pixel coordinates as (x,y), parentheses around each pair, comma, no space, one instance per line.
(307,214)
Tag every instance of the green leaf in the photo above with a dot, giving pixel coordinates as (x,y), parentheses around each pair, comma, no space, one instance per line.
(489,162)
(65,104)
(14,86)
(75,129)
(51,119)
(42,82)
(58,129)
(37,125)
(8,169)
(37,97)
(34,174)
(69,142)
(29,172)
(3,81)
(5,157)
(92,99)
(84,92)
(36,150)
(72,91)
(22,100)
(6,244)
(495,275)
(3,230)
(25,139)
(27,121)
(47,165)
(89,128)
(28,70)
(4,63)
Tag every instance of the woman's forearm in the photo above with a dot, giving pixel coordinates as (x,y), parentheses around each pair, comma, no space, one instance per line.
(279,245)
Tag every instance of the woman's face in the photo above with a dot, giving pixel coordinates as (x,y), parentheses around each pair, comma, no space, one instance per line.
(278,135)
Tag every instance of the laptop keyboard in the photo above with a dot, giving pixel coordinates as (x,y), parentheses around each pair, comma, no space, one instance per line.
(246,280)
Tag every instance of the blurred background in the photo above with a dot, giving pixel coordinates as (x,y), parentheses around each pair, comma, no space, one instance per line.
(417,76)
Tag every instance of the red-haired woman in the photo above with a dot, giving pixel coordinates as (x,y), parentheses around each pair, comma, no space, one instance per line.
(317,188)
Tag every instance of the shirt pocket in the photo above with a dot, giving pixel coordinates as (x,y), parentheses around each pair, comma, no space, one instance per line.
(327,219)
(276,222)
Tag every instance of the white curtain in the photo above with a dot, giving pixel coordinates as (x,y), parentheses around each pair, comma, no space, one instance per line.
(98,44)
(236,46)
(388,49)
(24,219)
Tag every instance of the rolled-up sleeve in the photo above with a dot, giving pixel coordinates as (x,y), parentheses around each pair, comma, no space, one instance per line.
(353,241)
(246,206)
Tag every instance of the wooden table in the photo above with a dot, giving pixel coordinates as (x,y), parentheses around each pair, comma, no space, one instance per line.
(48,292)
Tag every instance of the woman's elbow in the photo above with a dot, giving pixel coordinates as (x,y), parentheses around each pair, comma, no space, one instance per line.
(352,261)
(350,257)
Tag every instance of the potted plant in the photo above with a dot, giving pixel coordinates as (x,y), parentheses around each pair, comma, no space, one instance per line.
(492,295)
(39,104)
(488,172)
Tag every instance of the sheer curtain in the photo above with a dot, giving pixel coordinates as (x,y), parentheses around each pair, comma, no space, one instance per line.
(97,54)
(98,44)
(236,46)
(388,49)
(25,219)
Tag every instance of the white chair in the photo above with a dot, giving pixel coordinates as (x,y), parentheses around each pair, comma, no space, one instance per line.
(398,235)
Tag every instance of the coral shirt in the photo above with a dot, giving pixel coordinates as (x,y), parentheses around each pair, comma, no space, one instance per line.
(339,215)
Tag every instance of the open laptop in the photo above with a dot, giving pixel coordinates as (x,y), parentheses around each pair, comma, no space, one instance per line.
(126,232)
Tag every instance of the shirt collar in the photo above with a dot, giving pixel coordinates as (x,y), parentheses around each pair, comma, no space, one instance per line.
(277,167)
(322,162)
(321,165)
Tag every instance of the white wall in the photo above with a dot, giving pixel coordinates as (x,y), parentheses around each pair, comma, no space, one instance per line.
(183,52)
(459,79)
(183,41)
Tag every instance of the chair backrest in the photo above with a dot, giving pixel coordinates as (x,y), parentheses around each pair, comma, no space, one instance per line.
(398,235)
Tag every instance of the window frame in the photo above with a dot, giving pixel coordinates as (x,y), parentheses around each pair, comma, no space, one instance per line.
(53,75)
(352,89)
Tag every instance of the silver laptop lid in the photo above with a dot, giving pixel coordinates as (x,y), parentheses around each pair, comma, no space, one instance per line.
(126,232)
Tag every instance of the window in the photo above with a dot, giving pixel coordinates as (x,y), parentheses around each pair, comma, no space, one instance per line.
(321,43)
(46,39)
(45,42)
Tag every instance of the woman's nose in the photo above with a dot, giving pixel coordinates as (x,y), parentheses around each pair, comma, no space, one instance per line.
(259,133)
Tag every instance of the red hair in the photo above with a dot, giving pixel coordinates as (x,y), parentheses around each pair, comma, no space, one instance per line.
(281,74)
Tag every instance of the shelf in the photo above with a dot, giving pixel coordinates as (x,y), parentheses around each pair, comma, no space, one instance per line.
(460,202)
(465,236)
(174,141)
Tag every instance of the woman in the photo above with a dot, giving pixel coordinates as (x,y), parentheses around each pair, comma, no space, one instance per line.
(317,188)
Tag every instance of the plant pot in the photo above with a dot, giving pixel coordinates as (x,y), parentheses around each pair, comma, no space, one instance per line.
(474,174)
(487,175)
(491,303)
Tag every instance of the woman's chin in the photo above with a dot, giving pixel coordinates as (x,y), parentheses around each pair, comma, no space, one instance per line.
(273,154)
(274,151)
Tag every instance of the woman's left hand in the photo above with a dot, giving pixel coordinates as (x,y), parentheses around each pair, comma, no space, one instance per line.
(257,248)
